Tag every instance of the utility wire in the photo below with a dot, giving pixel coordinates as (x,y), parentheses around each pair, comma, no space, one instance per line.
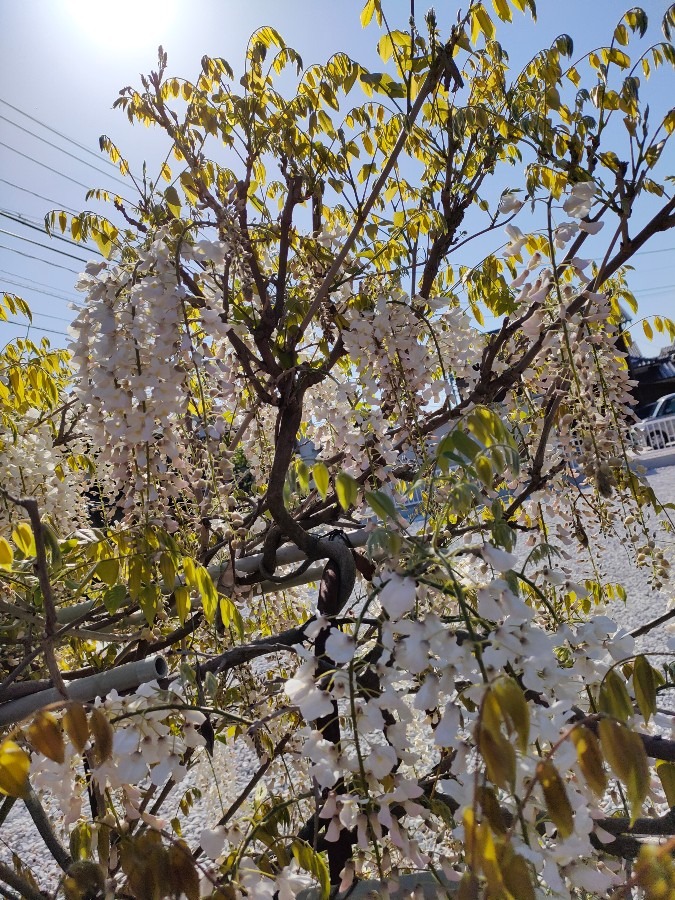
(22,220)
(44,246)
(30,325)
(54,131)
(35,290)
(44,315)
(47,262)
(61,150)
(43,284)
(44,165)
(39,196)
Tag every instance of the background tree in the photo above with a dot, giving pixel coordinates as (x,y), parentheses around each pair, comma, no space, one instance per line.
(284,350)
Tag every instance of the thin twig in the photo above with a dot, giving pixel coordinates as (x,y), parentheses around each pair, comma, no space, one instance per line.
(31,507)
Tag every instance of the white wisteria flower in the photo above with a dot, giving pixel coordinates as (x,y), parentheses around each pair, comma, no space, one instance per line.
(509,203)
(340,646)
(397,596)
(500,560)
(212,841)
(578,204)
(302,691)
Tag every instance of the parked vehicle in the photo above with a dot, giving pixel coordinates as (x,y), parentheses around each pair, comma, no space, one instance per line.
(657,428)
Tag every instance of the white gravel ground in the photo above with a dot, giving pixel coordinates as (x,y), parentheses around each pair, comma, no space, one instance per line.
(222,782)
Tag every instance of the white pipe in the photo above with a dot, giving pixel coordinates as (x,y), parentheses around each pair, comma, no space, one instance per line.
(123,678)
(289,553)
(286,555)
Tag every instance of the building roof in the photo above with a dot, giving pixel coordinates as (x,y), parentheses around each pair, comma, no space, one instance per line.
(658,368)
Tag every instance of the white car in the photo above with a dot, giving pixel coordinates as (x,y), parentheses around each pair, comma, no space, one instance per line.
(657,428)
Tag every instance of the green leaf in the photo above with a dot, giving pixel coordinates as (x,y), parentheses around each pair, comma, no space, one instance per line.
(614,698)
(309,860)
(666,773)
(625,753)
(148,600)
(173,200)
(347,489)
(382,505)
(114,598)
(465,444)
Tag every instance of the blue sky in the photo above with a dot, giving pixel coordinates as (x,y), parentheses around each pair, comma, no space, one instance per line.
(62,62)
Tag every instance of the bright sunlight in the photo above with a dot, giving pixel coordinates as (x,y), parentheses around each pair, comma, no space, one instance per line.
(124,25)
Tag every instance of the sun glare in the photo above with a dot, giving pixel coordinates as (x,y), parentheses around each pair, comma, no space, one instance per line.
(124,24)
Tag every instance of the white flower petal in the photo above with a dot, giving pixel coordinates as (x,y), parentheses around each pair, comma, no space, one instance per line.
(212,841)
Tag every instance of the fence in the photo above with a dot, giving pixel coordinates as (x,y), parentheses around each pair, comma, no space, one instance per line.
(655,434)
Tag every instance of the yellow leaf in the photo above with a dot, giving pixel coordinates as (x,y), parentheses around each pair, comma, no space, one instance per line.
(648,330)
(555,795)
(614,698)
(6,555)
(514,708)
(502,9)
(483,469)
(190,573)
(172,200)
(644,686)
(589,756)
(24,539)
(485,22)
(183,603)
(102,734)
(321,479)
(45,735)
(367,13)
(76,725)
(108,570)
(209,594)
(498,754)
(167,570)
(183,874)
(14,769)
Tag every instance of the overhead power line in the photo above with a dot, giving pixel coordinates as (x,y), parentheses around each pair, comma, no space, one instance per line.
(43,315)
(22,220)
(62,150)
(43,284)
(44,165)
(35,290)
(47,262)
(39,196)
(54,131)
(44,246)
(30,325)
